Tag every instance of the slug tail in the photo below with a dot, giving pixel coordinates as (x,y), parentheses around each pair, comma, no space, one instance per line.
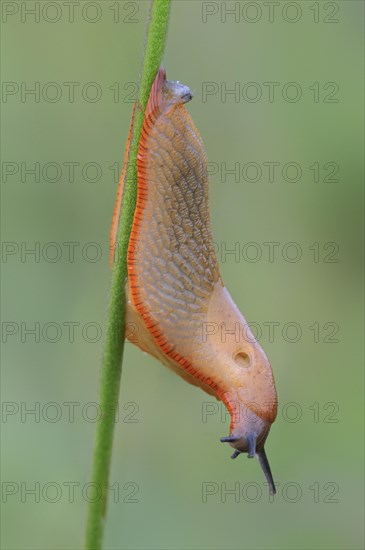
(155,99)
(152,112)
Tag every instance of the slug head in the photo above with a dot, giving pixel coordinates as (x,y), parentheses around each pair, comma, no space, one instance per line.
(249,431)
(250,427)
(250,447)
(245,375)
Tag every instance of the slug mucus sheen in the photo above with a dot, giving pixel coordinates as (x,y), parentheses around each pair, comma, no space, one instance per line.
(176,296)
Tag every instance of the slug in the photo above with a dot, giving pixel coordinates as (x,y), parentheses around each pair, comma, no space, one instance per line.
(176,296)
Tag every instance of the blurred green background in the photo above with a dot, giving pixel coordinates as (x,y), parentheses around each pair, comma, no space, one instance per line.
(166,449)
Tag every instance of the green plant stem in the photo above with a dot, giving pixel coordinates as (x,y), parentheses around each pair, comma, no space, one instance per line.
(114,343)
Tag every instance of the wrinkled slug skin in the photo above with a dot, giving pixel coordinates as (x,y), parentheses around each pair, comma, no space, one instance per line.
(175,292)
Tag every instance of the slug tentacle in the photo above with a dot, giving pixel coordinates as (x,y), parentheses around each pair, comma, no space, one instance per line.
(185,316)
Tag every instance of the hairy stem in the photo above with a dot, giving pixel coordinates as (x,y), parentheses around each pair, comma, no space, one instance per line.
(114,343)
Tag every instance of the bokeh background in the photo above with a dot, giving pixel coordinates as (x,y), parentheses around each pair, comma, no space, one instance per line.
(166,450)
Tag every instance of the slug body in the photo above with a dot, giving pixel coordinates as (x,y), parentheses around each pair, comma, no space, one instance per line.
(185,316)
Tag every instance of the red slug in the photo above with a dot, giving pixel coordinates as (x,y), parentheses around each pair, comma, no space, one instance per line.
(176,296)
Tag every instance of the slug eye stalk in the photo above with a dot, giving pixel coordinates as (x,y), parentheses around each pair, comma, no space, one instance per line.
(267,470)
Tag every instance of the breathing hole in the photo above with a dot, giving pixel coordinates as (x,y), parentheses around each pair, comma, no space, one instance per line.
(243,359)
